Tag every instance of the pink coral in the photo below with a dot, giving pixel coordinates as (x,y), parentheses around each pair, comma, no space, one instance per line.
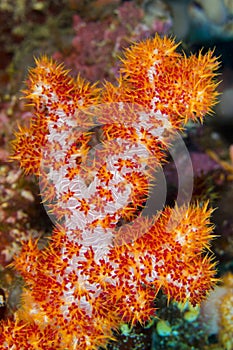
(97,44)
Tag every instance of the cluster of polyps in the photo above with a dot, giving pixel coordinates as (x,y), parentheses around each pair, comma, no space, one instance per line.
(94,150)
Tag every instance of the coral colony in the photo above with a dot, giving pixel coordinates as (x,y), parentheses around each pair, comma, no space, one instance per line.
(95,151)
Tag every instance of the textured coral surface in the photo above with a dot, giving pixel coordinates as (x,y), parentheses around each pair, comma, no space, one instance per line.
(94,151)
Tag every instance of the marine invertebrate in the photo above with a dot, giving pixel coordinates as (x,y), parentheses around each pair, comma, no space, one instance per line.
(106,262)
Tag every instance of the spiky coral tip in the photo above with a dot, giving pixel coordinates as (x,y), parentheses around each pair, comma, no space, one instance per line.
(51,91)
(182,87)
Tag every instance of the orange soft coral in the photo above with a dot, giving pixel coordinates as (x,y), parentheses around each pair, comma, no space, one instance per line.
(62,94)
(156,76)
(94,152)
